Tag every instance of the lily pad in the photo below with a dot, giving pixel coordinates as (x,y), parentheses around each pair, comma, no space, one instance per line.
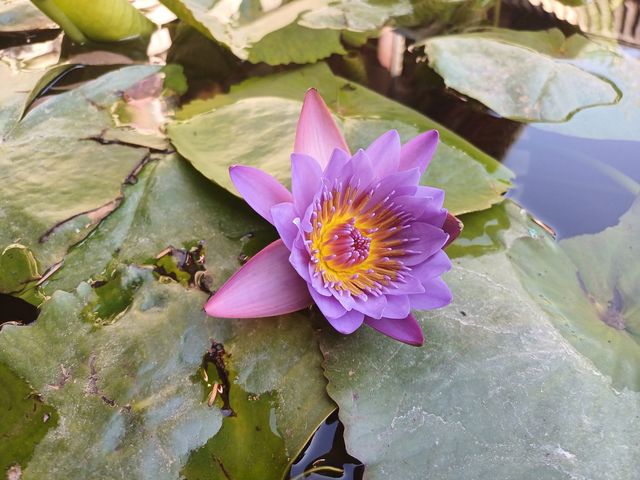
(496,391)
(517,79)
(25,420)
(590,287)
(261,114)
(613,122)
(60,179)
(130,388)
(298,31)
(171,204)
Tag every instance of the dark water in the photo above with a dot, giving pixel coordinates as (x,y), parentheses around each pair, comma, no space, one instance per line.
(327,449)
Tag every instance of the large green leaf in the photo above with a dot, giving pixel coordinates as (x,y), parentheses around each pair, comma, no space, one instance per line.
(170,204)
(100,21)
(590,286)
(496,392)
(610,122)
(516,78)
(154,420)
(298,31)
(130,391)
(59,180)
(260,116)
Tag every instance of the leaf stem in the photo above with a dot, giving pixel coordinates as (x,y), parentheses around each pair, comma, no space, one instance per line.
(51,10)
(326,468)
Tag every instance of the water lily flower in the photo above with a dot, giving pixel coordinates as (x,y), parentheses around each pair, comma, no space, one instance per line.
(359,237)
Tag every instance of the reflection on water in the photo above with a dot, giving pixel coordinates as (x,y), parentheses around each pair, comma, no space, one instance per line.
(574,185)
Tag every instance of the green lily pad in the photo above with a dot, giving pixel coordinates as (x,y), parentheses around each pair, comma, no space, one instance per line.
(590,287)
(262,114)
(496,391)
(60,179)
(130,387)
(292,32)
(18,267)
(169,205)
(609,122)
(25,420)
(516,78)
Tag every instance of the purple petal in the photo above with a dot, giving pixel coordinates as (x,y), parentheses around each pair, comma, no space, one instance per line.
(360,167)
(453,226)
(417,153)
(384,154)
(397,184)
(265,286)
(373,306)
(398,306)
(306,180)
(317,133)
(436,195)
(299,259)
(406,330)
(339,159)
(432,267)
(283,216)
(329,306)
(259,189)
(436,295)
(410,284)
(347,323)
(427,241)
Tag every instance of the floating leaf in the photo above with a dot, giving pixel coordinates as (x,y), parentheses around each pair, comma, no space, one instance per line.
(130,387)
(25,420)
(516,78)
(609,122)
(495,392)
(590,287)
(262,114)
(291,32)
(62,179)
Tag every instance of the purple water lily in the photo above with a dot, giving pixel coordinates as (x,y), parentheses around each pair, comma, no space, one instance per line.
(359,237)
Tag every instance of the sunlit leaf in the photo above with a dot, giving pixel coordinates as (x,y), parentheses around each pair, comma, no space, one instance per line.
(297,31)
(496,391)
(516,80)
(262,113)
(104,21)
(61,180)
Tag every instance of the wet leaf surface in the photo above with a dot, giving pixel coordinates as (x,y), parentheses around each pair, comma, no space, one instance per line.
(520,82)
(61,179)
(494,380)
(262,114)
(590,287)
